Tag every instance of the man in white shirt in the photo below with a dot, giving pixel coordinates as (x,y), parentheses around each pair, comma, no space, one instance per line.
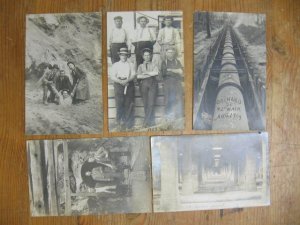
(143,38)
(123,74)
(147,76)
(168,37)
(118,39)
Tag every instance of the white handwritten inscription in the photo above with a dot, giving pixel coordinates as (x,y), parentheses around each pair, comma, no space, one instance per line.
(228,108)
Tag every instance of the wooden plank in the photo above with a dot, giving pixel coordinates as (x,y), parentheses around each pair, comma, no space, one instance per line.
(68,209)
(137,93)
(138,101)
(85,194)
(283,109)
(52,198)
(139,112)
(138,121)
(36,180)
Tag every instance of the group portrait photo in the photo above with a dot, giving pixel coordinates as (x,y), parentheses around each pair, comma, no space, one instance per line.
(63,87)
(145,71)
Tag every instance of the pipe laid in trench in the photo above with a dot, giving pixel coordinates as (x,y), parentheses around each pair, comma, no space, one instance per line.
(230,111)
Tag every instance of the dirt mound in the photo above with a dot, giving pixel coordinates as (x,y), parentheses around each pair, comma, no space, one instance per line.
(255,35)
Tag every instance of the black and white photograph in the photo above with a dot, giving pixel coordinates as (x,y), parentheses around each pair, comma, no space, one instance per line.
(63,80)
(145,71)
(229,71)
(89,176)
(200,172)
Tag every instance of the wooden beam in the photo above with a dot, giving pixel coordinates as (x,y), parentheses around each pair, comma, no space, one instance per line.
(52,198)
(68,209)
(36,177)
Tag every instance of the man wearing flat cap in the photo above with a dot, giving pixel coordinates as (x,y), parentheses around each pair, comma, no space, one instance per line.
(123,74)
(48,83)
(168,37)
(118,39)
(147,77)
(143,37)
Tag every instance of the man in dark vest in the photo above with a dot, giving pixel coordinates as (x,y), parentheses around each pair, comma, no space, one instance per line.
(172,74)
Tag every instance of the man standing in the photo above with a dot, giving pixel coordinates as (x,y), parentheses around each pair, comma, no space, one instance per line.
(103,174)
(123,73)
(80,90)
(143,37)
(48,83)
(147,77)
(172,74)
(168,37)
(118,39)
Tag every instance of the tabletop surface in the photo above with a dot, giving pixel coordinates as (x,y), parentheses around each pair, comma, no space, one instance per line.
(283,109)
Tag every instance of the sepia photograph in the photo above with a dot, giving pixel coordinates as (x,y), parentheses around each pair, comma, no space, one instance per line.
(145,71)
(229,71)
(89,176)
(200,172)
(63,80)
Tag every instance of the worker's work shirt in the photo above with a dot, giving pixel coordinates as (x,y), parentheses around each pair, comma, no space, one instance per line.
(122,70)
(168,35)
(118,35)
(147,67)
(143,34)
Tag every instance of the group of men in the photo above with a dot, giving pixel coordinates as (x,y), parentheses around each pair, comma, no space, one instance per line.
(57,87)
(145,72)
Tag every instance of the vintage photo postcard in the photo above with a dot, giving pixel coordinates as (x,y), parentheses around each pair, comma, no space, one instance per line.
(89,176)
(229,71)
(145,70)
(63,83)
(197,172)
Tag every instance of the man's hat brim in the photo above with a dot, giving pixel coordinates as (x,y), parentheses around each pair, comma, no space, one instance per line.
(168,18)
(147,50)
(123,53)
(139,18)
(118,18)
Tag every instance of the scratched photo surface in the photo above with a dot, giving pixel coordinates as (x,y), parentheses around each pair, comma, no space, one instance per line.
(89,176)
(145,71)
(229,71)
(63,82)
(200,172)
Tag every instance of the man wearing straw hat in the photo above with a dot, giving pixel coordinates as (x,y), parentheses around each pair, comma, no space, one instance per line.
(143,37)
(168,37)
(123,73)
(118,39)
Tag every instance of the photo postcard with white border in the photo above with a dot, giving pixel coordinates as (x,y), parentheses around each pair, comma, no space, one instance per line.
(89,176)
(200,172)
(145,71)
(63,80)
(229,71)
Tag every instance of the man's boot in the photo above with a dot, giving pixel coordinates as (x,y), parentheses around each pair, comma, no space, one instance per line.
(45,100)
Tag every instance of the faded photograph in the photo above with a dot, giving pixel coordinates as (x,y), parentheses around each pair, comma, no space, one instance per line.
(63,87)
(229,71)
(89,176)
(145,71)
(198,172)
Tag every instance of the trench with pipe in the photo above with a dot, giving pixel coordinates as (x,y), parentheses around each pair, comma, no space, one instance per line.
(229,96)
